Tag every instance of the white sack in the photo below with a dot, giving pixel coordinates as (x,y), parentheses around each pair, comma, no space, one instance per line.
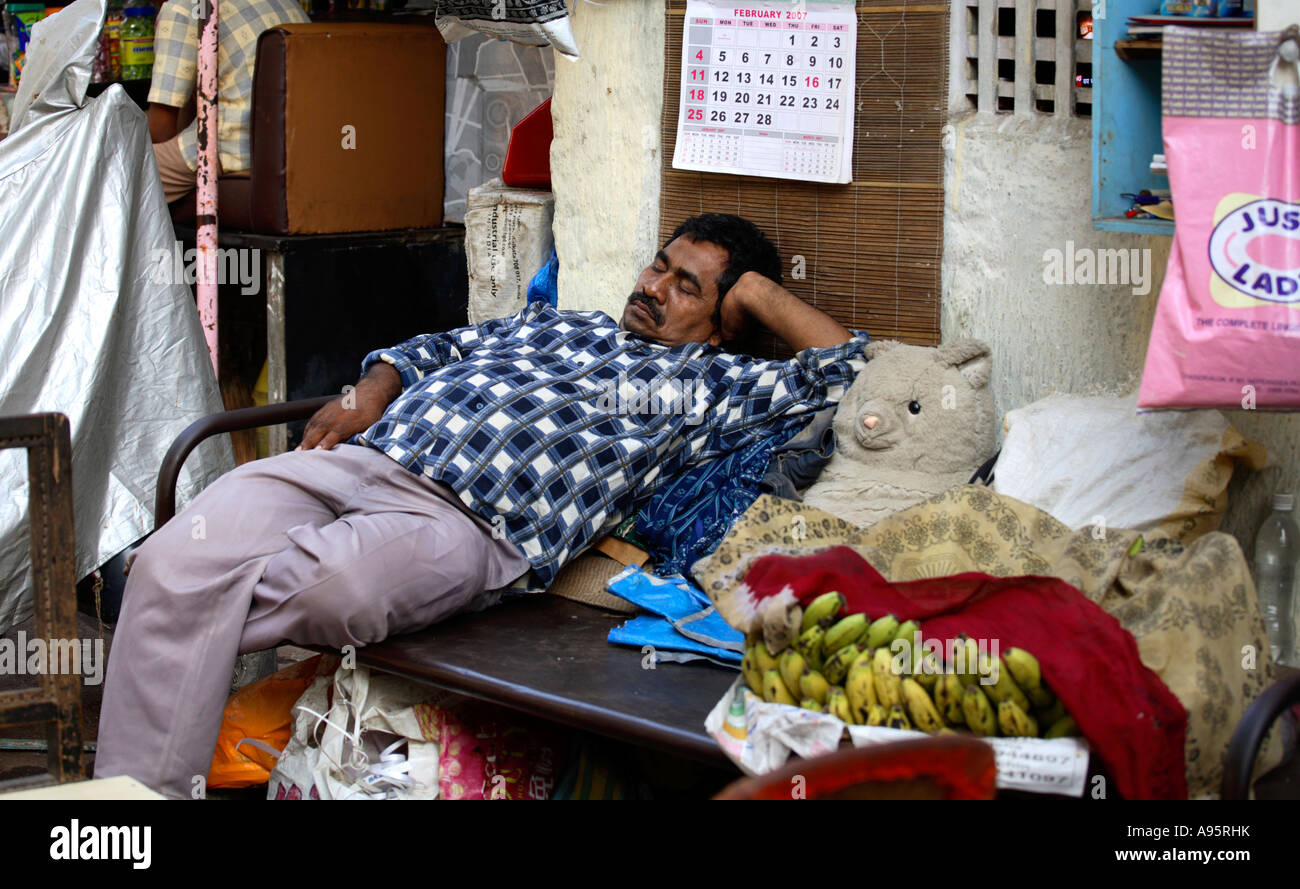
(1097,461)
(507,240)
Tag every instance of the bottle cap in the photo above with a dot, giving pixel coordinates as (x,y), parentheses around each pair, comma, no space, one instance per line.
(1284,502)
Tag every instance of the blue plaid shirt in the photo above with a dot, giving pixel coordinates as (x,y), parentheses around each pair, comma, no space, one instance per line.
(561,423)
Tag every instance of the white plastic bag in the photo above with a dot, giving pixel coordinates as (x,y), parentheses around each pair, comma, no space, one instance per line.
(367,745)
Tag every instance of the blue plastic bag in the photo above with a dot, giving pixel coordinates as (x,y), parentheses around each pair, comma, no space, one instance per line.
(686,622)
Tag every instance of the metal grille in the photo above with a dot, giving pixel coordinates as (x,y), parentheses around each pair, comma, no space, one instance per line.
(1026,57)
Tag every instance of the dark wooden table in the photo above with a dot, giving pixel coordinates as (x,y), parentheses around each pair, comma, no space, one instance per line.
(549,657)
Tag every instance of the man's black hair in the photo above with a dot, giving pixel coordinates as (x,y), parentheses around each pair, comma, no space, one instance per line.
(748,249)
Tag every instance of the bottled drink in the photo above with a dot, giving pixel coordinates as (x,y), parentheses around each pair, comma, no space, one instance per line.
(113,38)
(1277,545)
(137,43)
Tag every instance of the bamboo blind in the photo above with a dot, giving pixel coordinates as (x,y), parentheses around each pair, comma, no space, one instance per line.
(871,248)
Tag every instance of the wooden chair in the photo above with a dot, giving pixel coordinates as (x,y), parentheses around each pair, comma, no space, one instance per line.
(56,701)
(1249,734)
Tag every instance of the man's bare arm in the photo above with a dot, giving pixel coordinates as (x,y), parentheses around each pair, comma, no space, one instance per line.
(780,311)
(162,122)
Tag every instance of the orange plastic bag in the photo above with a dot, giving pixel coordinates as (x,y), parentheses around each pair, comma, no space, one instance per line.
(261,711)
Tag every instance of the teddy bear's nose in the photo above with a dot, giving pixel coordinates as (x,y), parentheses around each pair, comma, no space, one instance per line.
(870,421)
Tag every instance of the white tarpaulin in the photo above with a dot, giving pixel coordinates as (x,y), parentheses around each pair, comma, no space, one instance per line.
(85,329)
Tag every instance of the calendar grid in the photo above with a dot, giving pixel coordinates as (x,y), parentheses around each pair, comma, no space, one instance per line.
(767,90)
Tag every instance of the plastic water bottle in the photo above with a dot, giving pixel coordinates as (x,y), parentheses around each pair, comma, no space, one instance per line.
(1277,546)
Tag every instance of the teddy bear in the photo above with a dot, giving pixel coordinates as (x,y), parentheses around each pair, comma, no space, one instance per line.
(915,422)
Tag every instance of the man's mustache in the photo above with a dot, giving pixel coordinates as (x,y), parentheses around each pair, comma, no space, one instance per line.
(641,296)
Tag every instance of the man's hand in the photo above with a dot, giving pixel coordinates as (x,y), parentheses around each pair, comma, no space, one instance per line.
(763,300)
(355,412)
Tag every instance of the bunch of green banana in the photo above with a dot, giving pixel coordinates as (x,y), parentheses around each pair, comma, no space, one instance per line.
(967,662)
(926,669)
(814,685)
(750,670)
(837,704)
(906,630)
(947,698)
(860,686)
(925,716)
(897,718)
(863,685)
(1004,688)
(1015,722)
(889,685)
(844,632)
(837,665)
(882,631)
(1024,669)
(822,611)
(979,714)
(809,644)
(775,691)
(791,666)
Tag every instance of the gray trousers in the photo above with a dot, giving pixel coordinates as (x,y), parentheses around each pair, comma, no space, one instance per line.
(339,547)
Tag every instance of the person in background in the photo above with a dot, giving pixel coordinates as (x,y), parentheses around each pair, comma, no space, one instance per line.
(175,73)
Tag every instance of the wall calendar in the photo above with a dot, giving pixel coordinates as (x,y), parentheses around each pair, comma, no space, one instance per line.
(767,89)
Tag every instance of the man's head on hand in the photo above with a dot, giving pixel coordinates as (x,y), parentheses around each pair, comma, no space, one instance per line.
(678,298)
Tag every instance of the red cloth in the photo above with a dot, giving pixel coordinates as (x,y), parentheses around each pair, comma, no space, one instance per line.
(1133,722)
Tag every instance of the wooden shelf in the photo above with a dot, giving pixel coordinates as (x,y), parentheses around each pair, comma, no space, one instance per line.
(1138,49)
(1134,226)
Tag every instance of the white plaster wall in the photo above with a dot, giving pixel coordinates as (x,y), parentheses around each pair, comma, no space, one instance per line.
(1015,188)
(605,155)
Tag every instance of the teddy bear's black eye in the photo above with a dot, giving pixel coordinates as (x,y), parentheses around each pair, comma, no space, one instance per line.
(914,407)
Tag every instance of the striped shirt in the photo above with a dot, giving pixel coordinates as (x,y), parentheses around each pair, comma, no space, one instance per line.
(175,69)
(555,425)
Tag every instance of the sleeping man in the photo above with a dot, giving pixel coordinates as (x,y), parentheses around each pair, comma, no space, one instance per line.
(461,462)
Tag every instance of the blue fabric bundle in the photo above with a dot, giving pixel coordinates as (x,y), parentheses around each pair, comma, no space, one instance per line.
(688,517)
(687,626)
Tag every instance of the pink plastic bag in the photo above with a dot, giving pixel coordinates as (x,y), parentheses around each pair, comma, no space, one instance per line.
(1227,327)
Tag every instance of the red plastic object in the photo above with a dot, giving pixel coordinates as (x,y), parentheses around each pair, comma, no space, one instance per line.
(938,767)
(528,156)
